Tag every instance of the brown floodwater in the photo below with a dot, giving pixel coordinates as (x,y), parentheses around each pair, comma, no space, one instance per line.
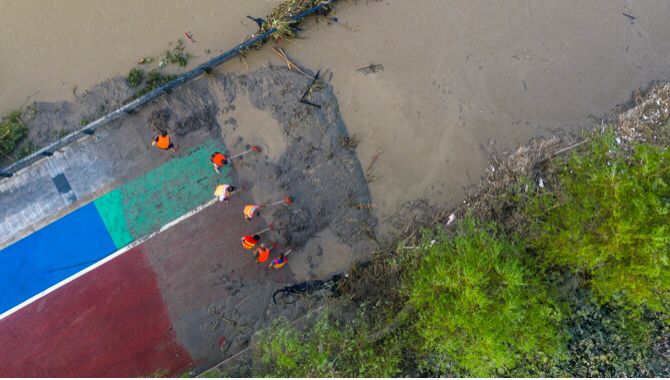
(457,74)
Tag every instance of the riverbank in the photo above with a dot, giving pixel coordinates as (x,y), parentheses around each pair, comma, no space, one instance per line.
(522,280)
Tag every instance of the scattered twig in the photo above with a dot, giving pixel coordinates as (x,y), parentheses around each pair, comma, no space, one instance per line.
(564,150)
(362,206)
(629,16)
(291,65)
(665,356)
(374,158)
(243,61)
(309,91)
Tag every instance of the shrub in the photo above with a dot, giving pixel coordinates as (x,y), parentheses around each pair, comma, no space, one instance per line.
(478,306)
(606,340)
(609,217)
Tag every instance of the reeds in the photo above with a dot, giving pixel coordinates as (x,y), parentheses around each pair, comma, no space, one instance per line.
(281,18)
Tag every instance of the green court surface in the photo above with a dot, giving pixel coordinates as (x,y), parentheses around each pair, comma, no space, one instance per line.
(154,199)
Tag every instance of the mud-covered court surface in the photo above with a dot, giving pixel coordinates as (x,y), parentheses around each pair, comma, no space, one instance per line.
(190,295)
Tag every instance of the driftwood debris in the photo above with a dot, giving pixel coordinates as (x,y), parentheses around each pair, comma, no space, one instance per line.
(372,69)
(374,158)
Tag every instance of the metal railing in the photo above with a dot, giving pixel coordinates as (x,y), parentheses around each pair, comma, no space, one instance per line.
(133,106)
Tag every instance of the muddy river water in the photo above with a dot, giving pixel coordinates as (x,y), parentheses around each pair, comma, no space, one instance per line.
(457,74)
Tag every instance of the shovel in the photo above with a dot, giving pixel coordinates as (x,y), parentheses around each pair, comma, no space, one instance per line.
(285,200)
(254,148)
(271,228)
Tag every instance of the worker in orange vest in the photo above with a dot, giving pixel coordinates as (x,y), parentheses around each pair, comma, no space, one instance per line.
(262,253)
(250,211)
(218,160)
(249,242)
(279,261)
(223,191)
(163,141)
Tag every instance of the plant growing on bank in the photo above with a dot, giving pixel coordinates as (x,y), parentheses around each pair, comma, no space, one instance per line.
(28,149)
(477,304)
(135,77)
(606,340)
(12,130)
(328,347)
(609,217)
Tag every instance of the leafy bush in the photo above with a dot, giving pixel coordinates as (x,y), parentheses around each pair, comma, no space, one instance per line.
(154,80)
(609,217)
(135,77)
(478,306)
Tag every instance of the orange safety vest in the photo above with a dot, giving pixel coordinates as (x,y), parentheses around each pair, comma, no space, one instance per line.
(249,242)
(262,255)
(219,159)
(250,210)
(278,264)
(221,190)
(163,142)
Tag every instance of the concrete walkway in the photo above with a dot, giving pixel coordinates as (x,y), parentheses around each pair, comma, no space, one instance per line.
(70,178)
(79,173)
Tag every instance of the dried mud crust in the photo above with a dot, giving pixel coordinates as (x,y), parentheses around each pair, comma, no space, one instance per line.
(323,179)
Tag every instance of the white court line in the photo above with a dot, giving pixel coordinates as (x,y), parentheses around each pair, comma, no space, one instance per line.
(106,259)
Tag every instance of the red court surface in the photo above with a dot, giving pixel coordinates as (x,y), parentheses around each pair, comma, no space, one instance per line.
(111,322)
(143,312)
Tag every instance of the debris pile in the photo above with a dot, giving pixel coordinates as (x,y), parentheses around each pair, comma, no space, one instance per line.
(650,115)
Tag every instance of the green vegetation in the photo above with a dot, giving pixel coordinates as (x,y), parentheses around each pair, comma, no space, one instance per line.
(178,56)
(28,149)
(609,218)
(567,279)
(154,80)
(477,305)
(135,77)
(12,131)
(329,348)
(87,119)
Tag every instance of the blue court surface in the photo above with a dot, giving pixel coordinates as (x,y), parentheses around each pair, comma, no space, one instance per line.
(52,254)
